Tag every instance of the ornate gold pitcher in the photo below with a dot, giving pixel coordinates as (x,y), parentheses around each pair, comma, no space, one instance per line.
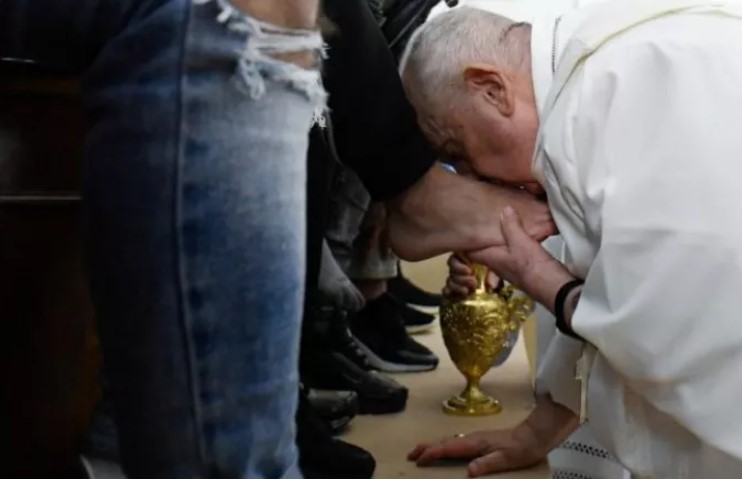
(475,330)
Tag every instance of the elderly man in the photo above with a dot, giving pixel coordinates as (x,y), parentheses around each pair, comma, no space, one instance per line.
(629,107)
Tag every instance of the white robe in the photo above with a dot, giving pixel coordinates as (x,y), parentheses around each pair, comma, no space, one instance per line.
(580,455)
(640,151)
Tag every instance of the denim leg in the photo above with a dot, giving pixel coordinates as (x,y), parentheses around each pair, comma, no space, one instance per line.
(196,200)
(195,203)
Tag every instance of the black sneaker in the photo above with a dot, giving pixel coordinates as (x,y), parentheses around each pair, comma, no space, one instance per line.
(320,455)
(336,408)
(340,339)
(329,330)
(380,330)
(415,321)
(407,292)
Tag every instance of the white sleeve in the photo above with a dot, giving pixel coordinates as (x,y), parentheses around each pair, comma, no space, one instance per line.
(658,153)
(557,353)
(556,368)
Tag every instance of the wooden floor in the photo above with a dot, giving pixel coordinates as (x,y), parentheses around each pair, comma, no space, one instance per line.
(390,437)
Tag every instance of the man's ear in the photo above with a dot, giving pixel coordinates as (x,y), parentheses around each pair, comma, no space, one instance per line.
(492,83)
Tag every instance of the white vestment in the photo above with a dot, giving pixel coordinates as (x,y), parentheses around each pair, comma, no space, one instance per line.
(580,455)
(640,151)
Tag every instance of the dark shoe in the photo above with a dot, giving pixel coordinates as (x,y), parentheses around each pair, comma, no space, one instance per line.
(379,328)
(327,329)
(407,292)
(320,455)
(335,408)
(415,321)
(337,459)
(341,340)
(328,370)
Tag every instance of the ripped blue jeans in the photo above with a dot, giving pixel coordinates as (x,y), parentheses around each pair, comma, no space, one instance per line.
(194,195)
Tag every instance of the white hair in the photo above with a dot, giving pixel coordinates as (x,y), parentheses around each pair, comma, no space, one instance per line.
(440,49)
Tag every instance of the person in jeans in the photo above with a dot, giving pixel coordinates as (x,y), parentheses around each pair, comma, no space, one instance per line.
(195,166)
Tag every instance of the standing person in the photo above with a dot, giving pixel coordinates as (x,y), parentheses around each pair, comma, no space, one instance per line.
(194,198)
(630,108)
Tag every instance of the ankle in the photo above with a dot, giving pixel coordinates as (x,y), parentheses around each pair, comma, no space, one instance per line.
(371,289)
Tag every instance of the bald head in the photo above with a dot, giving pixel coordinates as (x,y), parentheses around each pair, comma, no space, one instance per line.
(439,51)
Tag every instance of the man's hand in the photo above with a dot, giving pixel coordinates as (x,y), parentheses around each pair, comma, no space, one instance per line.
(461,280)
(490,451)
(444,212)
(524,262)
(502,450)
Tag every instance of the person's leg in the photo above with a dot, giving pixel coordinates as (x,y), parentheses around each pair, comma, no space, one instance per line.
(349,202)
(330,358)
(335,288)
(321,167)
(196,203)
(195,195)
(372,261)
(355,236)
(352,235)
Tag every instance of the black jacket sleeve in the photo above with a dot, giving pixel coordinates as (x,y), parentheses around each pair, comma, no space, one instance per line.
(375,128)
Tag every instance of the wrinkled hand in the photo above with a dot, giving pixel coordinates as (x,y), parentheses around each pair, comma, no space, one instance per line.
(461,280)
(489,451)
(524,262)
(525,445)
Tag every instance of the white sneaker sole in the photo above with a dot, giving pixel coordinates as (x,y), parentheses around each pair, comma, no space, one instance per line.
(425,309)
(100,468)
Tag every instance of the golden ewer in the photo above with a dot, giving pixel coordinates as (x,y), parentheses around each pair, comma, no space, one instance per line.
(476,329)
